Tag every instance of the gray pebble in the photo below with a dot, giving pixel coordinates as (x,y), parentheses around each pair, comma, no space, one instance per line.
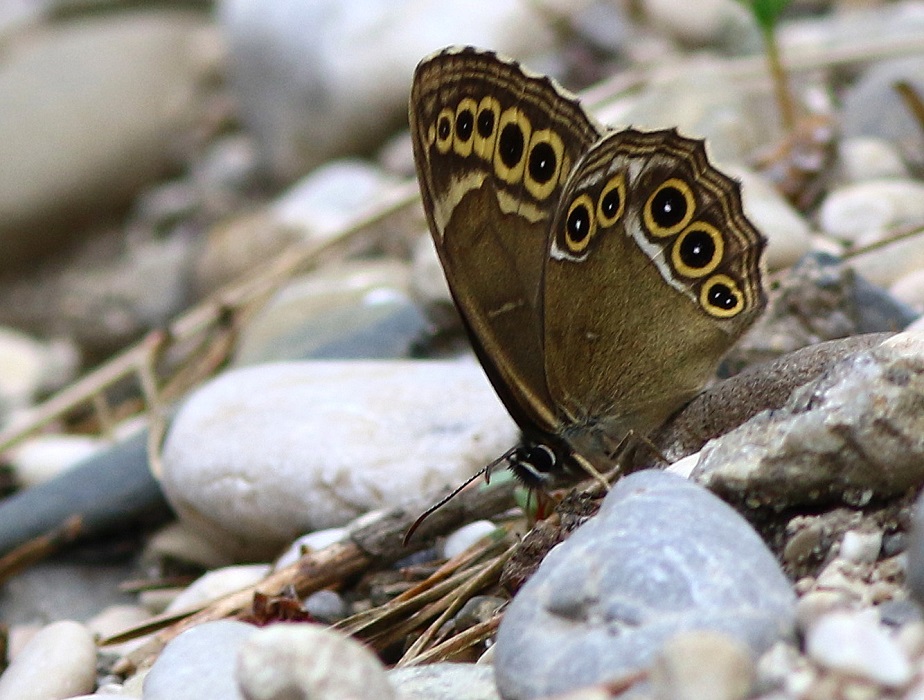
(327,606)
(199,663)
(661,557)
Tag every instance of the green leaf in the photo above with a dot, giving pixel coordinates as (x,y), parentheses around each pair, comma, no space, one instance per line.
(766,12)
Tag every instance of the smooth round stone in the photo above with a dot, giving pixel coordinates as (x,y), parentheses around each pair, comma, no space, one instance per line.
(141,74)
(199,663)
(703,664)
(662,556)
(218,583)
(58,589)
(467,535)
(861,547)
(700,101)
(41,458)
(307,99)
(712,21)
(871,105)
(179,542)
(888,263)
(867,158)
(58,662)
(856,644)
(29,366)
(286,661)
(312,542)
(326,606)
(909,289)
(853,434)
(352,311)
(429,281)
(444,681)
(866,211)
(262,454)
(331,196)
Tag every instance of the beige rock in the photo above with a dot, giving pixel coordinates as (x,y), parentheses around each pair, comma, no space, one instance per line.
(58,662)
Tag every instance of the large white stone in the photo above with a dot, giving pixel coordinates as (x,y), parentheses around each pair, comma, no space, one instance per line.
(265,453)
(323,78)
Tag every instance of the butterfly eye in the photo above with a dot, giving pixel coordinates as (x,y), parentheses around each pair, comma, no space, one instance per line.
(512,137)
(580,224)
(543,163)
(486,117)
(444,130)
(721,297)
(464,126)
(612,201)
(698,250)
(669,208)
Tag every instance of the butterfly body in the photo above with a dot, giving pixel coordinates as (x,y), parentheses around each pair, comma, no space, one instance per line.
(601,275)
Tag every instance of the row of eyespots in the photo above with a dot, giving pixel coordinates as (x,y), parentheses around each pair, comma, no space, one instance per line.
(695,253)
(698,248)
(507,140)
(584,215)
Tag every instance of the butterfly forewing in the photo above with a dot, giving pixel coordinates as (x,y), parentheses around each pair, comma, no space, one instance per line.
(493,147)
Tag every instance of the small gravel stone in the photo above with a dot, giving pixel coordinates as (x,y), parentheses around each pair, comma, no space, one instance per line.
(855,643)
(702,664)
(312,542)
(58,662)
(861,547)
(327,606)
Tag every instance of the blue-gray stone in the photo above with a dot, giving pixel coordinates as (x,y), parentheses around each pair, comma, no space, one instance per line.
(662,556)
(199,664)
(111,491)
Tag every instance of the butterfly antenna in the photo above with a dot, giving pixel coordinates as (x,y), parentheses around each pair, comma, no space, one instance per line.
(486,470)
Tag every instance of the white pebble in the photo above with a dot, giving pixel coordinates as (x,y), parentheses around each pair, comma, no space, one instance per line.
(313,541)
(58,662)
(868,158)
(215,584)
(857,644)
(466,536)
(861,547)
(43,457)
(788,233)
(863,212)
